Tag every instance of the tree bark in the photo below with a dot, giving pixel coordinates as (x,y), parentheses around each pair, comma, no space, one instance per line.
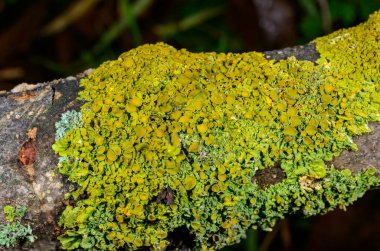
(28,173)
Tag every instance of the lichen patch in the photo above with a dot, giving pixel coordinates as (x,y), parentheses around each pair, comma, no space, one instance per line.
(204,124)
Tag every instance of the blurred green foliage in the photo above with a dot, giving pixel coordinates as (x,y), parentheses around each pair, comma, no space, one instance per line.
(342,14)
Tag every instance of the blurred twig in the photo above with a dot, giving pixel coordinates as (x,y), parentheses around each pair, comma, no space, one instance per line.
(11,73)
(127,12)
(283,228)
(189,22)
(128,19)
(326,16)
(286,235)
(269,237)
(72,13)
(309,7)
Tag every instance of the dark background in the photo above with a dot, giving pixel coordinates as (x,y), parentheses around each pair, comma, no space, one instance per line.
(42,40)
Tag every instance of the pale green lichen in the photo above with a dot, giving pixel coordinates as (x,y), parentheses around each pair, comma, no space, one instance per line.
(15,231)
(171,139)
(69,120)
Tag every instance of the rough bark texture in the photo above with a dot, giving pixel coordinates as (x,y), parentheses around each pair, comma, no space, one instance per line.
(28,173)
(33,181)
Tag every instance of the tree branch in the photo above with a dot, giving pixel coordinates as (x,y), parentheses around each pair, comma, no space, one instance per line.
(28,173)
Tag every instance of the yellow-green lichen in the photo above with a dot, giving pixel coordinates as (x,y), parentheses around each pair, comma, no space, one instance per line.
(171,140)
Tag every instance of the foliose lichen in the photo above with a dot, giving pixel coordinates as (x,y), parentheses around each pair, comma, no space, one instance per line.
(14,231)
(172,140)
(69,120)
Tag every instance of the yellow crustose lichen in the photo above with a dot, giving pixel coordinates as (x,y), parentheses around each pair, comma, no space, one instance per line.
(171,140)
